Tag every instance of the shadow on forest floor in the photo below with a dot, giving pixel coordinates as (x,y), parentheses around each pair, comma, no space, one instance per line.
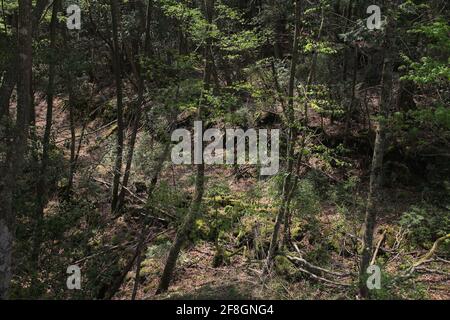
(216,292)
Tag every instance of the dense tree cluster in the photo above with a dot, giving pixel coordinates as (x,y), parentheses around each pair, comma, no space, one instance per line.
(86,117)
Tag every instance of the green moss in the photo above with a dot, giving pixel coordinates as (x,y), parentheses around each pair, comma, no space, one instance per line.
(284,267)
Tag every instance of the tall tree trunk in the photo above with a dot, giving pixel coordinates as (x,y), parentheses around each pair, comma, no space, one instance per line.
(147,41)
(131,145)
(350,107)
(375,192)
(74,150)
(17,147)
(183,232)
(68,82)
(186,227)
(72,135)
(291,142)
(145,230)
(115,12)
(6,89)
(311,75)
(138,107)
(347,17)
(10,77)
(41,192)
(278,31)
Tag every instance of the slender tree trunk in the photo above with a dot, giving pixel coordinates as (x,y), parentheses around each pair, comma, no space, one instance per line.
(186,227)
(278,31)
(350,108)
(375,192)
(311,75)
(137,277)
(8,83)
(291,142)
(347,17)
(131,145)
(17,147)
(10,77)
(68,81)
(145,230)
(74,150)
(115,12)
(147,41)
(72,136)
(183,232)
(41,192)
(36,13)
(138,108)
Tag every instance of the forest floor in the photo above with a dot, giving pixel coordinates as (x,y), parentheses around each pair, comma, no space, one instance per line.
(240,278)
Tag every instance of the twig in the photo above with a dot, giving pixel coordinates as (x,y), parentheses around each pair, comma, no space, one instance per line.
(142,201)
(383,236)
(323,279)
(442,260)
(313,267)
(432,250)
(89,133)
(105,251)
(425,258)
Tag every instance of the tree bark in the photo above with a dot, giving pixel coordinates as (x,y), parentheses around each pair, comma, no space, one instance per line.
(17,145)
(186,227)
(8,84)
(10,78)
(72,135)
(41,193)
(375,192)
(147,41)
(138,108)
(350,108)
(115,12)
(164,154)
(291,143)
(311,75)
